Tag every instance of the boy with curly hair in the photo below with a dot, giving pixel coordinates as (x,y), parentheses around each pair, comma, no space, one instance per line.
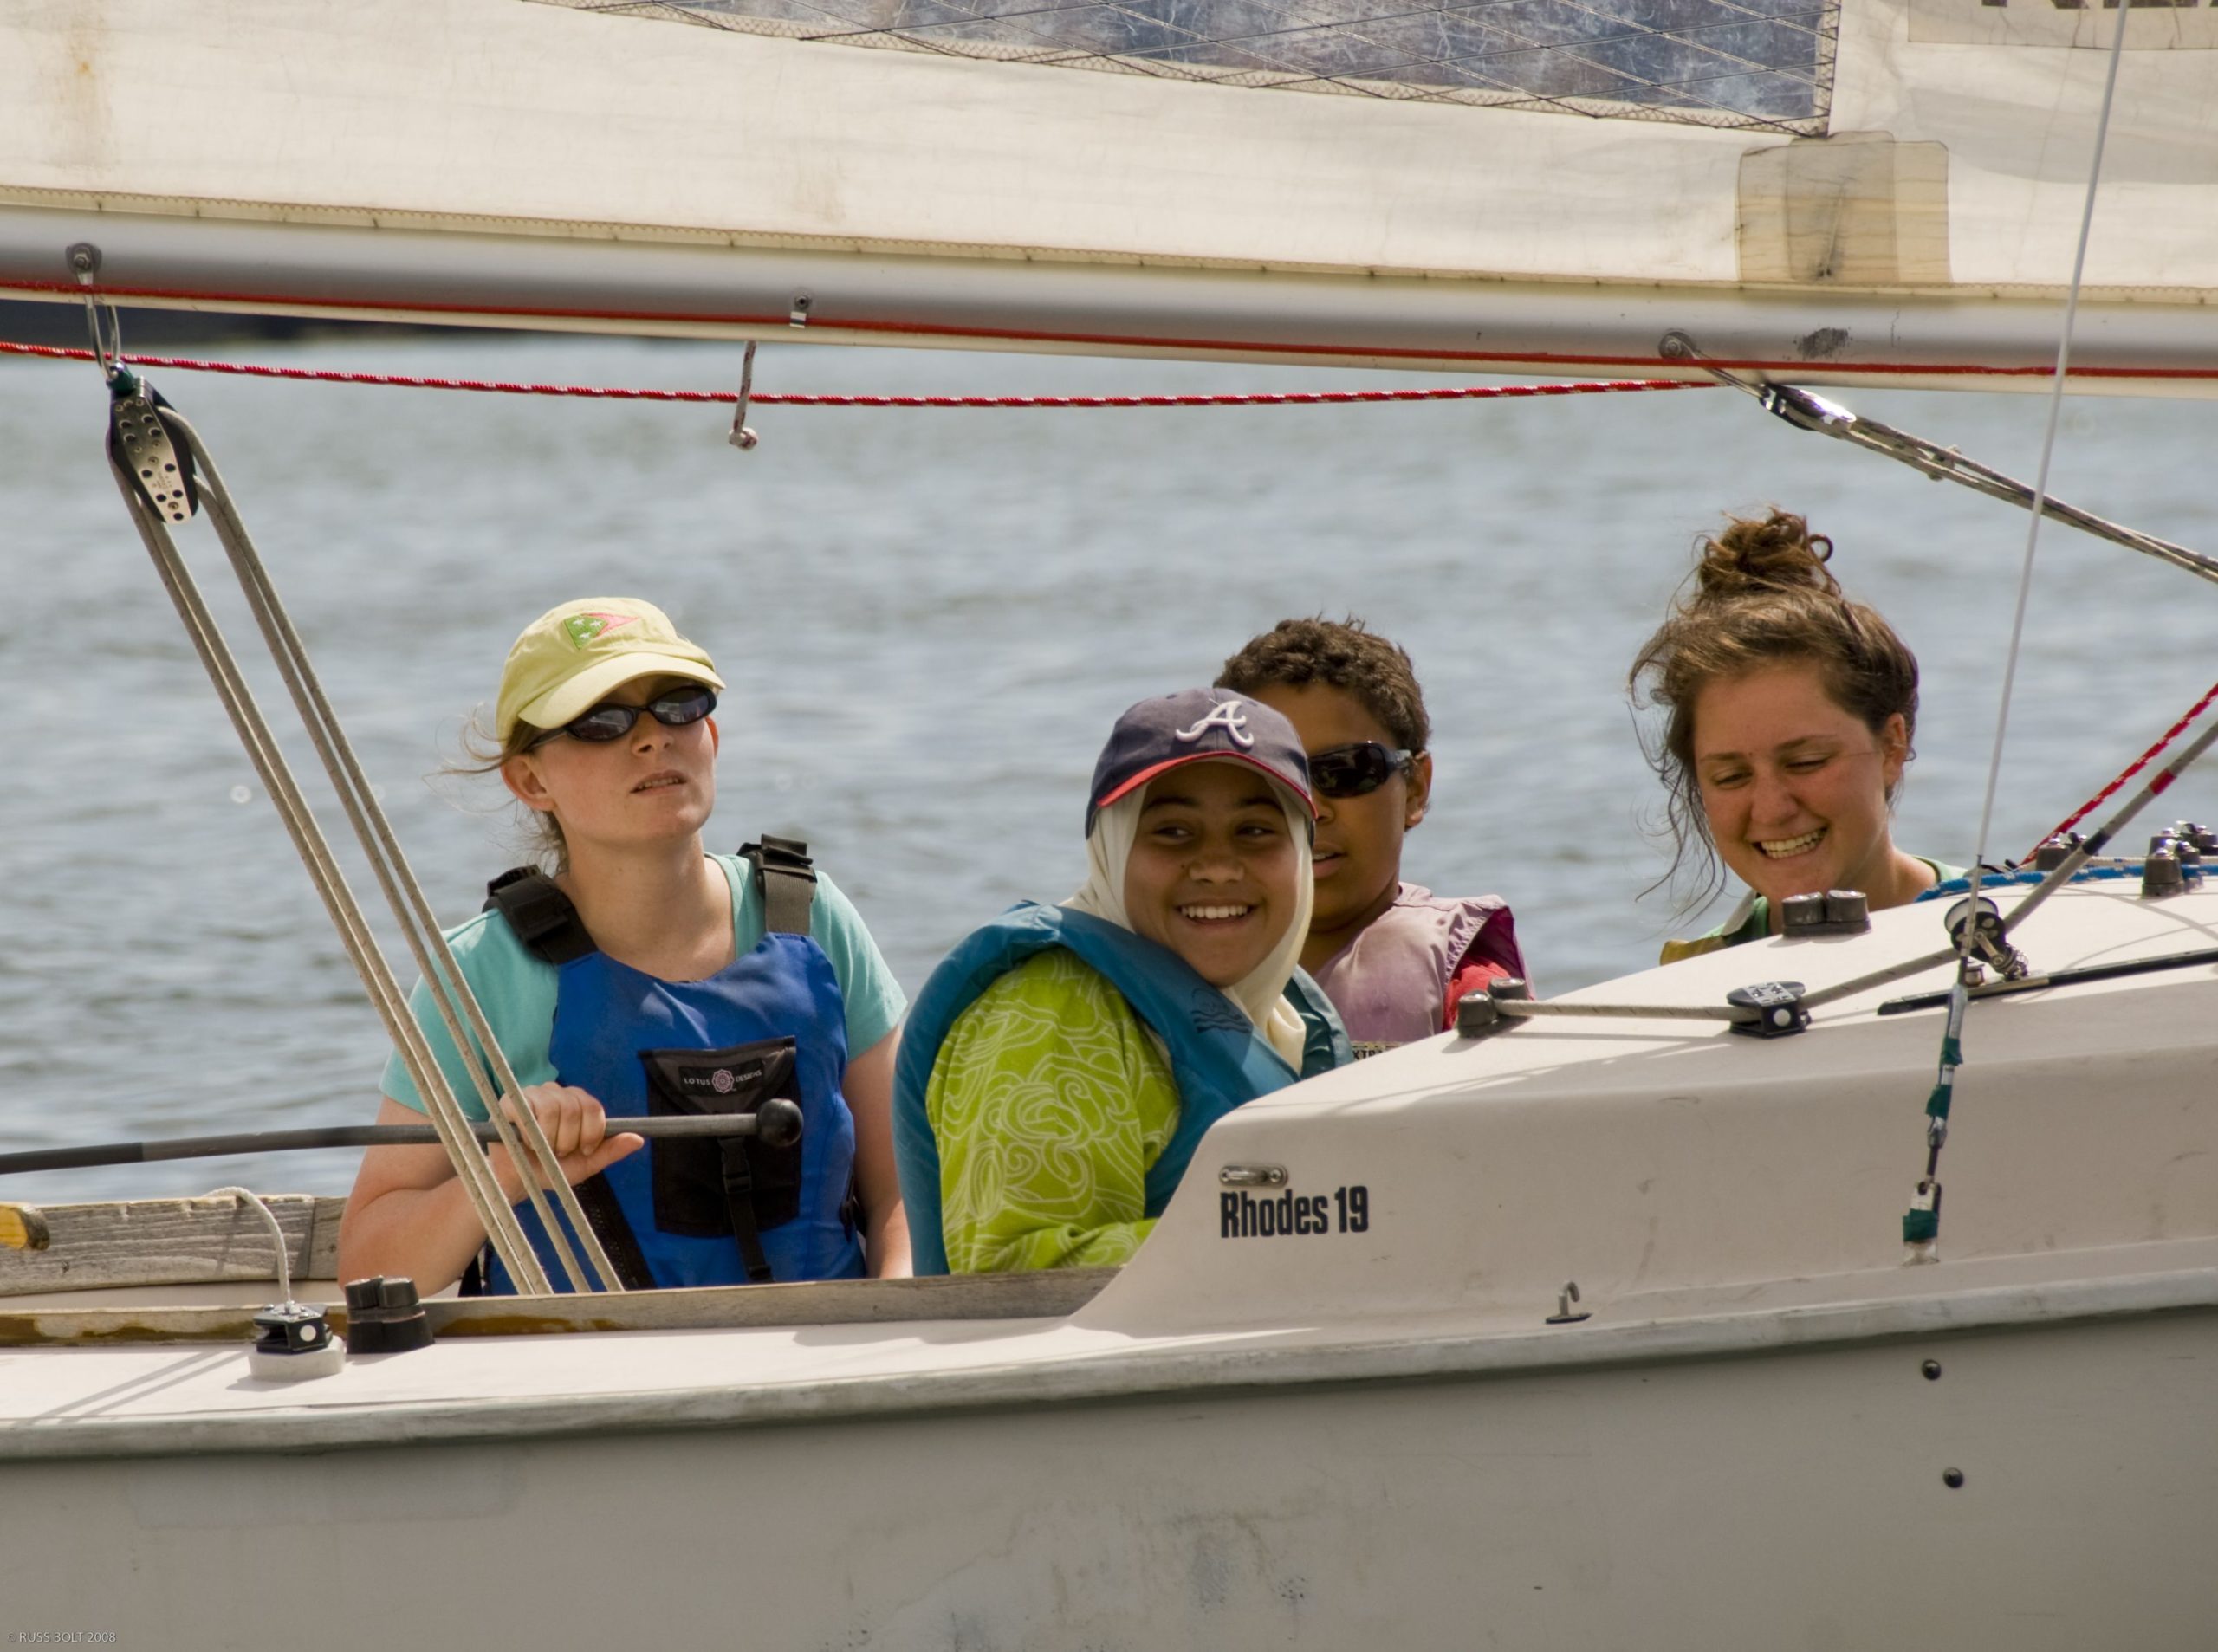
(1392,956)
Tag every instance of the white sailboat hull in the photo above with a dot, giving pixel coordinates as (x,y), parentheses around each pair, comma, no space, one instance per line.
(1794,1499)
(1766,1431)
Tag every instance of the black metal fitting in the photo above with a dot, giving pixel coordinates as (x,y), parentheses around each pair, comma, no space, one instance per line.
(1837,911)
(1479,1014)
(2054,852)
(1476,1016)
(2162,874)
(1989,941)
(1801,914)
(384,1317)
(290,1328)
(1778,1008)
(139,444)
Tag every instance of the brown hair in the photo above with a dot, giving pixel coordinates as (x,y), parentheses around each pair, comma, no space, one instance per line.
(1762,596)
(539,834)
(1342,654)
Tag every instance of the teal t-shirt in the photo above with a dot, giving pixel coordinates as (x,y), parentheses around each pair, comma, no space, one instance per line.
(517,991)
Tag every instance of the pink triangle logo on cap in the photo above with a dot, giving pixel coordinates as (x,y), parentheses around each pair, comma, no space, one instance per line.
(585,628)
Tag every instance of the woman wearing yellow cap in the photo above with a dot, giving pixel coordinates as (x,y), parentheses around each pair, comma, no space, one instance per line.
(645,976)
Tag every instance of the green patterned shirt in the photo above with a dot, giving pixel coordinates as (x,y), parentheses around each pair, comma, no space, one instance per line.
(1049,1100)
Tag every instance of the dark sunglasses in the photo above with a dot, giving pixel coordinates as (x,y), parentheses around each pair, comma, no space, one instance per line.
(610,722)
(1357,770)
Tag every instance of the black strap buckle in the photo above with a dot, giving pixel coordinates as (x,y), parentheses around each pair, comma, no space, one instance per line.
(739,1195)
(1778,1008)
(541,915)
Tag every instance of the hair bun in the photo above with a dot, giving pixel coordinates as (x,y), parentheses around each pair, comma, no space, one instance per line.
(1779,553)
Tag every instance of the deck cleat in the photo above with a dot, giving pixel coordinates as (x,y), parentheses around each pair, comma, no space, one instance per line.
(1836,912)
(1801,914)
(1477,1016)
(2056,851)
(1480,1014)
(384,1317)
(2162,873)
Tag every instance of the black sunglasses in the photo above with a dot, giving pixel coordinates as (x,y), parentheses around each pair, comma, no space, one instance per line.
(1357,770)
(610,720)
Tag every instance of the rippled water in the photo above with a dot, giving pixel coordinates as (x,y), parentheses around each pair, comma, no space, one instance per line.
(928,620)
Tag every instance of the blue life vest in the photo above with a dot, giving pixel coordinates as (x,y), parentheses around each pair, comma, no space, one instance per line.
(1217,1058)
(688,1211)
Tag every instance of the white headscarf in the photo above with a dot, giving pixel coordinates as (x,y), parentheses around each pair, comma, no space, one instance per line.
(1261,994)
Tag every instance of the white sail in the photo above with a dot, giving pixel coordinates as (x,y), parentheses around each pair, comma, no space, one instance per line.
(1834,190)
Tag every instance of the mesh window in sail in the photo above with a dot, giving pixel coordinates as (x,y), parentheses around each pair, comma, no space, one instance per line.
(1711,63)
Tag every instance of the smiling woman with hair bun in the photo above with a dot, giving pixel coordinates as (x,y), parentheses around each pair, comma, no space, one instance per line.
(1791,711)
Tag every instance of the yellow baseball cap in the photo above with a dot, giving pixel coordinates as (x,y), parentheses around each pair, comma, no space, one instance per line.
(571,657)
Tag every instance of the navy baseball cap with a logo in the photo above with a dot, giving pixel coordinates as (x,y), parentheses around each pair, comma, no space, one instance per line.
(1194,726)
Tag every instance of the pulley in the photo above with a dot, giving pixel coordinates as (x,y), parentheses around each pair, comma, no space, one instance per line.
(140,445)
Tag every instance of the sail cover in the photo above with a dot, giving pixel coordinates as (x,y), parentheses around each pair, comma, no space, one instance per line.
(1828,191)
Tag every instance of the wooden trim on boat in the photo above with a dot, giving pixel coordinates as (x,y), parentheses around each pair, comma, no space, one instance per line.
(172,1242)
(24,1228)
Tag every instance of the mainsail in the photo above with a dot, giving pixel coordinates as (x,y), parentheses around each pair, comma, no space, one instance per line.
(1835,191)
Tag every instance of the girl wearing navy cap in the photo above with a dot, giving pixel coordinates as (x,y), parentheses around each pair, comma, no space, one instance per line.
(1063,1064)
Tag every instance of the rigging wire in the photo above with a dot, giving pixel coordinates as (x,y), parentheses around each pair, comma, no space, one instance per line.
(277,782)
(2186,720)
(451,994)
(2048,443)
(154,454)
(1922,1222)
(1806,410)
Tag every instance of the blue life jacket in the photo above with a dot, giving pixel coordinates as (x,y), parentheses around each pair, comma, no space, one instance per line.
(1217,1058)
(699,1210)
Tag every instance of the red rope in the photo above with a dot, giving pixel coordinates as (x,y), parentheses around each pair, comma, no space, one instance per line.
(2132,768)
(1263,398)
